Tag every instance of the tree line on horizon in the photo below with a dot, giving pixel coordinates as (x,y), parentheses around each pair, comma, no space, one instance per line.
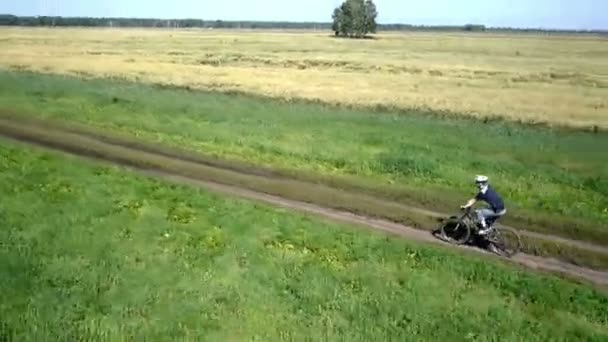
(58,21)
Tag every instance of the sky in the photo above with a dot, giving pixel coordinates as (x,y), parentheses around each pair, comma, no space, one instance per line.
(563,14)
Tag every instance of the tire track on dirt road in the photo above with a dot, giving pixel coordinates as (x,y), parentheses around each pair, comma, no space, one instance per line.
(135,159)
(196,158)
(529,261)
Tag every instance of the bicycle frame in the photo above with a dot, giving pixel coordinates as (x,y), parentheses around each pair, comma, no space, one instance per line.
(469,219)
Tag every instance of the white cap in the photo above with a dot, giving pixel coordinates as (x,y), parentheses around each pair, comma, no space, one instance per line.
(481,179)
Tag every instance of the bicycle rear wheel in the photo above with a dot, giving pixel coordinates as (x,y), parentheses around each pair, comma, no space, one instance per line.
(506,241)
(455,232)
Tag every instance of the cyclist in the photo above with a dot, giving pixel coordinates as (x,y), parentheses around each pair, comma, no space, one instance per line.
(496,209)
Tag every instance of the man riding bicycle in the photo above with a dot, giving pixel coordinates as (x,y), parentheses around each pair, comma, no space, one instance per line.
(487,216)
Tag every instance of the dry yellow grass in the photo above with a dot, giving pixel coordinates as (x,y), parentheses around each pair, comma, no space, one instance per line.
(560,80)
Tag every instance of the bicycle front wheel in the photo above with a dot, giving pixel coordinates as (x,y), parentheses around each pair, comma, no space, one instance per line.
(456,232)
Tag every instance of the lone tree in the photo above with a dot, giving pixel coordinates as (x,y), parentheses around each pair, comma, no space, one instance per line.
(355,18)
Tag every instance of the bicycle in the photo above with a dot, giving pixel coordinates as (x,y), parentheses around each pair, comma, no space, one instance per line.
(464,229)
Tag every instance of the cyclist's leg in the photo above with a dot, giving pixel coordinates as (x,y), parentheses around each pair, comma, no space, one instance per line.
(491,219)
(486,217)
(482,214)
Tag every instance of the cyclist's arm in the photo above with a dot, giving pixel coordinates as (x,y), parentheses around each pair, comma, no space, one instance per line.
(470,203)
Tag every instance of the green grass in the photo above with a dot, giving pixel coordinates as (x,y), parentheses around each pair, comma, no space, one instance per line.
(92,252)
(553,180)
(82,140)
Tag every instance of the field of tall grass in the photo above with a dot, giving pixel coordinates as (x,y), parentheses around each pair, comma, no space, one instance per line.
(93,252)
(553,79)
(553,181)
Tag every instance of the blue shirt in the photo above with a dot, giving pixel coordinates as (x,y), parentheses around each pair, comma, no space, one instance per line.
(492,198)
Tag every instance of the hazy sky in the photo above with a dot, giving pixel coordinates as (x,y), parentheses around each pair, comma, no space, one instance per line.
(570,14)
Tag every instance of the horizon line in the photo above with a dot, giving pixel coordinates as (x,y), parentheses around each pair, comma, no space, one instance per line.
(538,28)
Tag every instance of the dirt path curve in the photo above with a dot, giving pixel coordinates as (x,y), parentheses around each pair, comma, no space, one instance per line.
(529,261)
(188,157)
(598,278)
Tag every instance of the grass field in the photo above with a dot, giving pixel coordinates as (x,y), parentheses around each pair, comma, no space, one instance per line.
(92,252)
(551,79)
(550,178)
(323,191)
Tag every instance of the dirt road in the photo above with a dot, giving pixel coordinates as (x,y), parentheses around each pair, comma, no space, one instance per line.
(152,163)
